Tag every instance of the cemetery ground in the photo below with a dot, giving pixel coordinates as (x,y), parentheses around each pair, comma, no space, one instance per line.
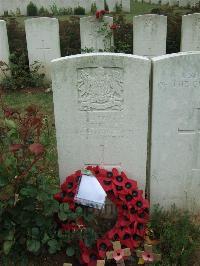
(175,232)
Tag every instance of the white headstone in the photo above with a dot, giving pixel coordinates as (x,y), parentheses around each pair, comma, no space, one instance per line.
(175,158)
(126,6)
(149,35)
(190,37)
(101,112)
(155,2)
(183,3)
(4,48)
(173,2)
(43,43)
(112,4)
(94,33)
(100,4)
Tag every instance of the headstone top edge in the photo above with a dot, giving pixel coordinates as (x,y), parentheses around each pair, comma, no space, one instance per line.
(93,17)
(2,21)
(150,15)
(90,55)
(174,55)
(191,15)
(29,20)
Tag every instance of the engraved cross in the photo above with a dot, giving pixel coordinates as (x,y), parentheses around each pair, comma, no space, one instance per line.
(196,133)
(43,49)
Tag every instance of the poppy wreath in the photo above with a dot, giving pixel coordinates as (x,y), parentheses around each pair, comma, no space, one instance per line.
(132,211)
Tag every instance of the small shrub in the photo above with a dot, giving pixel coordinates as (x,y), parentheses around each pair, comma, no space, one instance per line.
(70,36)
(178,235)
(106,6)
(54,10)
(26,193)
(5,13)
(79,10)
(43,12)
(123,35)
(65,11)
(118,8)
(17,74)
(93,8)
(32,9)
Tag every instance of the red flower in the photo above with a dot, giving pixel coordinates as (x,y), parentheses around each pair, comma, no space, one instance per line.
(15,147)
(114,26)
(97,14)
(103,245)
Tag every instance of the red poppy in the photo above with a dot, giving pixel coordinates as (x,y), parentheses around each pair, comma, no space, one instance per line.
(103,245)
(97,14)
(114,26)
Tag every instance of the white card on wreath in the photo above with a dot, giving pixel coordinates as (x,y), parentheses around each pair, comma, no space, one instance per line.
(90,192)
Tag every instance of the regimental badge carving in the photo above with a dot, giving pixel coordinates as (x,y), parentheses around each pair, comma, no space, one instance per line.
(100,89)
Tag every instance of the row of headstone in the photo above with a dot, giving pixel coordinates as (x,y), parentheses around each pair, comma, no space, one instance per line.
(101,105)
(180,3)
(149,37)
(20,6)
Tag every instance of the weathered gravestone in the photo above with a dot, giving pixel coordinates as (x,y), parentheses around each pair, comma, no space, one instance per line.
(43,44)
(175,158)
(183,3)
(149,35)
(126,6)
(101,112)
(112,4)
(96,34)
(4,48)
(190,37)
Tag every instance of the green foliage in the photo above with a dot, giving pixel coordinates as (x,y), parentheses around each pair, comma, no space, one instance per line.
(123,35)
(32,9)
(179,235)
(93,8)
(70,36)
(26,193)
(54,10)
(43,12)
(60,11)
(106,6)
(118,8)
(79,10)
(17,74)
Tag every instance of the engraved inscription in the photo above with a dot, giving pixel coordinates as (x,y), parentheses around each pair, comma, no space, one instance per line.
(100,89)
(188,81)
(103,124)
(196,133)
(196,32)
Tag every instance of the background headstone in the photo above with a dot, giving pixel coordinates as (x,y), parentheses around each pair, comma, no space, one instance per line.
(92,34)
(149,35)
(101,112)
(99,4)
(126,6)
(43,43)
(183,3)
(4,48)
(175,156)
(190,36)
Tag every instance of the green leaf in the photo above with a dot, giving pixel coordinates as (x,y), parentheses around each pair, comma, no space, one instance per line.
(33,245)
(7,245)
(53,246)
(64,207)
(28,191)
(70,251)
(63,216)
(3,181)
(79,211)
(10,123)
(35,231)
(45,238)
